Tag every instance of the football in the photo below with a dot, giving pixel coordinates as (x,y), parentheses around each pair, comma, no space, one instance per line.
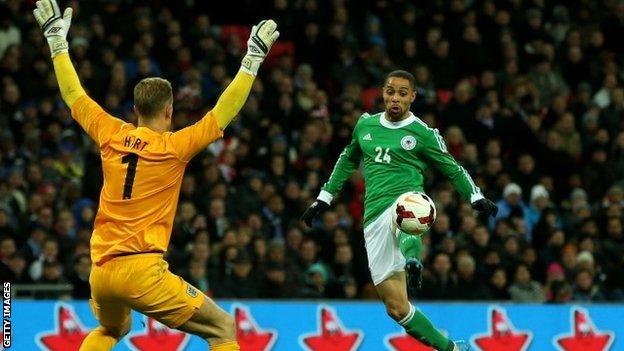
(414,212)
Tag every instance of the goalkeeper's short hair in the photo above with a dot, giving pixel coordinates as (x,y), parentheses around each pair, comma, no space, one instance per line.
(152,95)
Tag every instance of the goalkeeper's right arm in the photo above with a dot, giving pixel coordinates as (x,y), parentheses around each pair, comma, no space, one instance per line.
(67,78)
(91,117)
(55,27)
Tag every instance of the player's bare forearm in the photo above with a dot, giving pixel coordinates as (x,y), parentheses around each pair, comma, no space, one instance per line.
(67,79)
(232,99)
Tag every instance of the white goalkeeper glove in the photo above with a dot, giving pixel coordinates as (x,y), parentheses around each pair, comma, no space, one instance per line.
(54,26)
(262,37)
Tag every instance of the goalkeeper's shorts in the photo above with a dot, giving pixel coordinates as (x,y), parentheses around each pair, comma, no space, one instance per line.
(141,282)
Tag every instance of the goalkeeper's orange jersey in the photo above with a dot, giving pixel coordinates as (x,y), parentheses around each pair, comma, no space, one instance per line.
(143,171)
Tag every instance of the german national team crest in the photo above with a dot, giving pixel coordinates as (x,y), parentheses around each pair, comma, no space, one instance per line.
(332,335)
(502,335)
(408,142)
(68,333)
(584,336)
(249,335)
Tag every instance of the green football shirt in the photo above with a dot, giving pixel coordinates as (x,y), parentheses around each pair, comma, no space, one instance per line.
(394,157)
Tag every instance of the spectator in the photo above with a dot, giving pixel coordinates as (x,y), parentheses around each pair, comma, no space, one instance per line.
(6,228)
(52,274)
(343,261)
(511,204)
(539,201)
(570,138)
(524,289)
(347,288)
(471,288)
(497,288)
(526,175)
(308,254)
(18,274)
(7,250)
(316,279)
(439,284)
(79,278)
(272,215)
(277,283)
(217,221)
(584,289)
(480,242)
(561,292)
(614,243)
(240,283)
(49,253)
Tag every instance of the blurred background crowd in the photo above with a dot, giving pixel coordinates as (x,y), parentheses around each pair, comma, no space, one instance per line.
(527,93)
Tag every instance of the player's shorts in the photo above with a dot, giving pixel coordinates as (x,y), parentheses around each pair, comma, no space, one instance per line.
(382,248)
(141,282)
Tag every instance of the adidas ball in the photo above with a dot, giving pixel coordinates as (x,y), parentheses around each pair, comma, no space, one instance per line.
(414,213)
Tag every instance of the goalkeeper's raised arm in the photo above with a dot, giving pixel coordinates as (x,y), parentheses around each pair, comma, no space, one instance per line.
(98,124)
(196,137)
(55,26)
(91,117)
(262,37)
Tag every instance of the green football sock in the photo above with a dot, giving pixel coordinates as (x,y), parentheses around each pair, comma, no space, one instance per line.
(420,327)
(410,245)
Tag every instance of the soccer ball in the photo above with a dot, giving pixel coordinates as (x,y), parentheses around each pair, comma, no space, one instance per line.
(414,213)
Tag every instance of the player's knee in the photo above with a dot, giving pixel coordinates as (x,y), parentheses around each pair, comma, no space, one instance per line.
(229,328)
(225,329)
(117,332)
(396,309)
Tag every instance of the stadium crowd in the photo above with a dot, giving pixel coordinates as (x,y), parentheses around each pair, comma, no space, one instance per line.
(527,93)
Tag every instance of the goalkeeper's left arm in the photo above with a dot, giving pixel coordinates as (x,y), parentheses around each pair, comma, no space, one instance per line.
(262,37)
(192,139)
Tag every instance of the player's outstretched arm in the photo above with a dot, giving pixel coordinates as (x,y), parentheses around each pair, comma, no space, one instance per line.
(262,37)
(55,27)
(346,164)
(436,153)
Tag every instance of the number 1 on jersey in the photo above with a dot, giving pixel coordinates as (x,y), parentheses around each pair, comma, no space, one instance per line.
(132,160)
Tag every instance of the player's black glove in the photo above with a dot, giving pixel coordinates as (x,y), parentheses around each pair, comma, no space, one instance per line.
(313,211)
(486,207)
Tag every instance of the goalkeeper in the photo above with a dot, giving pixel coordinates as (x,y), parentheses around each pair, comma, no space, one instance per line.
(396,147)
(143,169)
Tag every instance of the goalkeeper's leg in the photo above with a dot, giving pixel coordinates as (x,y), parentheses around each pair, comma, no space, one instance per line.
(394,295)
(114,324)
(213,324)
